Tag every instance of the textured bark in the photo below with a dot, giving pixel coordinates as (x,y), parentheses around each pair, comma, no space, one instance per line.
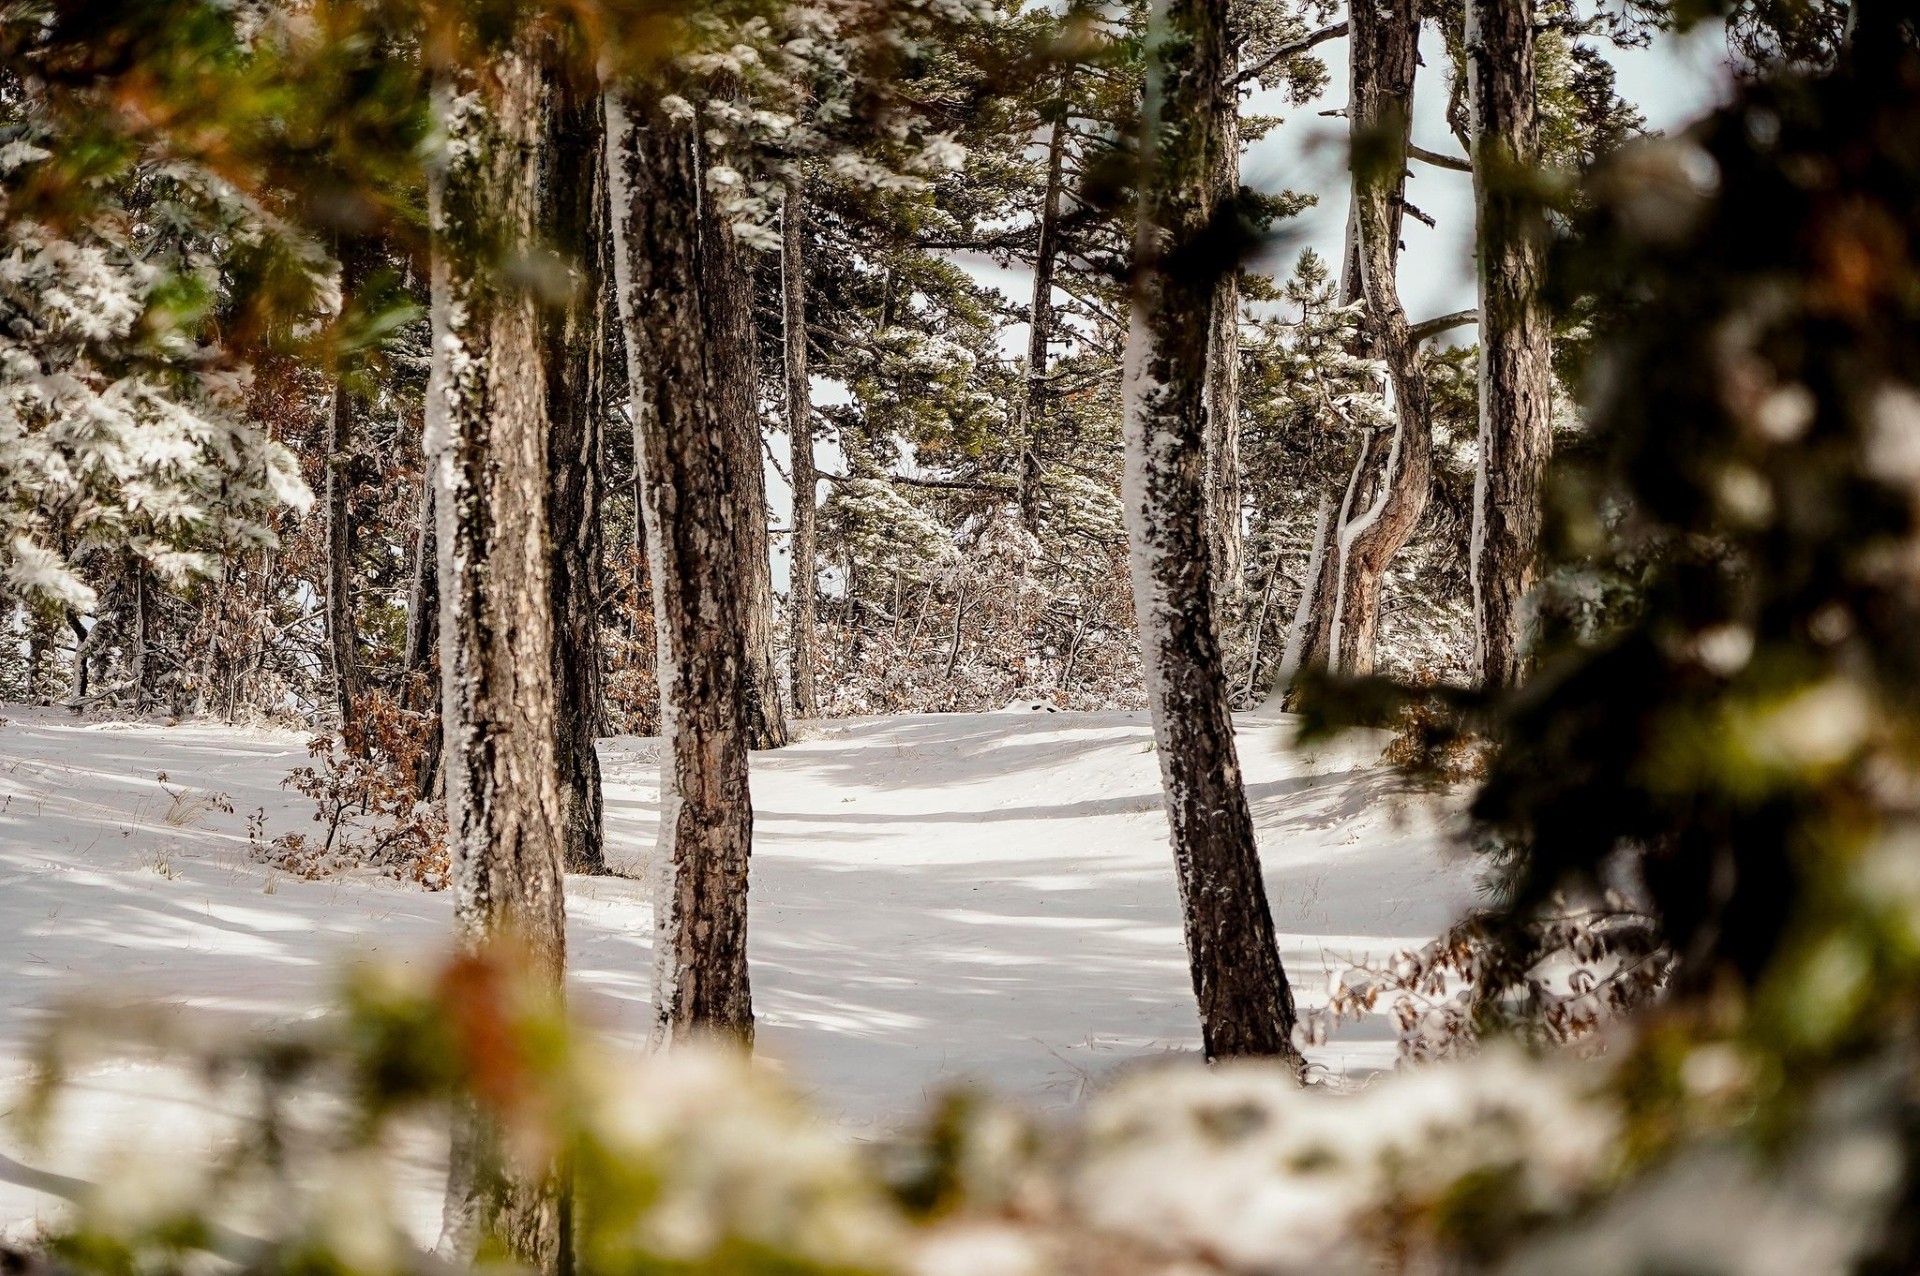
(1225,542)
(1516,380)
(728,311)
(1246,1007)
(575,337)
(686,442)
(343,429)
(1032,408)
(1387,489)
(803,593)
(487,445)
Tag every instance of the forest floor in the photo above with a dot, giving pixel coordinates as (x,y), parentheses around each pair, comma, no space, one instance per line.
(935,898)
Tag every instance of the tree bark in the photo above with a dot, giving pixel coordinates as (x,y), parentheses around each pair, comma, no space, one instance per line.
(1246,1007)
(1225,542)
(575,337)
(1033,399)
(486,442)
(1516,379)
(804,571)
(687,448)
(729,313)
(343,428)
(1386,491)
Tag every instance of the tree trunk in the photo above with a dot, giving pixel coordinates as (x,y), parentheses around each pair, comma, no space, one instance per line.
(1033,399)
(686,437)
(487,445)
(423,637)
(804,571)
(1516,380)
(343,428)
(1387,489)
(575,337)
(735,361)
(142,632)
(1223,379)
(423,594)
(1246,1007)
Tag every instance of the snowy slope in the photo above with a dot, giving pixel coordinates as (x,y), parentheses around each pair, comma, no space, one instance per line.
(935,897)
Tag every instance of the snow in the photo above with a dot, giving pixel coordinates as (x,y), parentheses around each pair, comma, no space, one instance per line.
(935,898)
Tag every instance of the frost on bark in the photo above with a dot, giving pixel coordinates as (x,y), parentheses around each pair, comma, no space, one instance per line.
(487,446)
(686,444)
(1516,383)
(734,357)
(343,431)
(804,574)
(575,335)
(1386,492)
(1246,1007)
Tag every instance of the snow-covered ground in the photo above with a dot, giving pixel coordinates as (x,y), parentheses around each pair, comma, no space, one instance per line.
(935,898)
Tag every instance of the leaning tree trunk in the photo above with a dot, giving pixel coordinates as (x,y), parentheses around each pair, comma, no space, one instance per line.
(735,361)
(575,336)
(1516,381)
(803,592)
(1246,1007)
(487,445)
(686,445)
(1032,407)
(343,429)
(1386,492)
(1225,541)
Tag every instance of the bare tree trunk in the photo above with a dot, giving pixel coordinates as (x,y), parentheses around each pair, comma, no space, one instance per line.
(487,446)
(343,428)
(1246,1007)
(1033,399)
(423,594)
(1516,379)
(686,446)
(1225,541)
(142,631)
(83,644)
(728,310)
(575,336)
(1387,490)
(804,569)
(423,638)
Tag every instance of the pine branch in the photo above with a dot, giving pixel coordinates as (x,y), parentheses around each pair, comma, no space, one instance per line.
(1458,163)
(1442,323)
(1293,50)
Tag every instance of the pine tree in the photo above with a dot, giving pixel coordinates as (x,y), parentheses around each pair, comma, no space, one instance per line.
(687,452)
(487,441)
(1516,377)
(1246,1006)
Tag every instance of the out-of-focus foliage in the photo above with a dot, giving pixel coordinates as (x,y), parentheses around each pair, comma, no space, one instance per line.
(1714,769)
(695,1161)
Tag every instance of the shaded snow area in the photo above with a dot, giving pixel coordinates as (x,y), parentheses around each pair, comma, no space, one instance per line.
(935,898)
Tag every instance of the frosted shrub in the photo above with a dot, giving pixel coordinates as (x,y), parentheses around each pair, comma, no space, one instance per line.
(1242,1166)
